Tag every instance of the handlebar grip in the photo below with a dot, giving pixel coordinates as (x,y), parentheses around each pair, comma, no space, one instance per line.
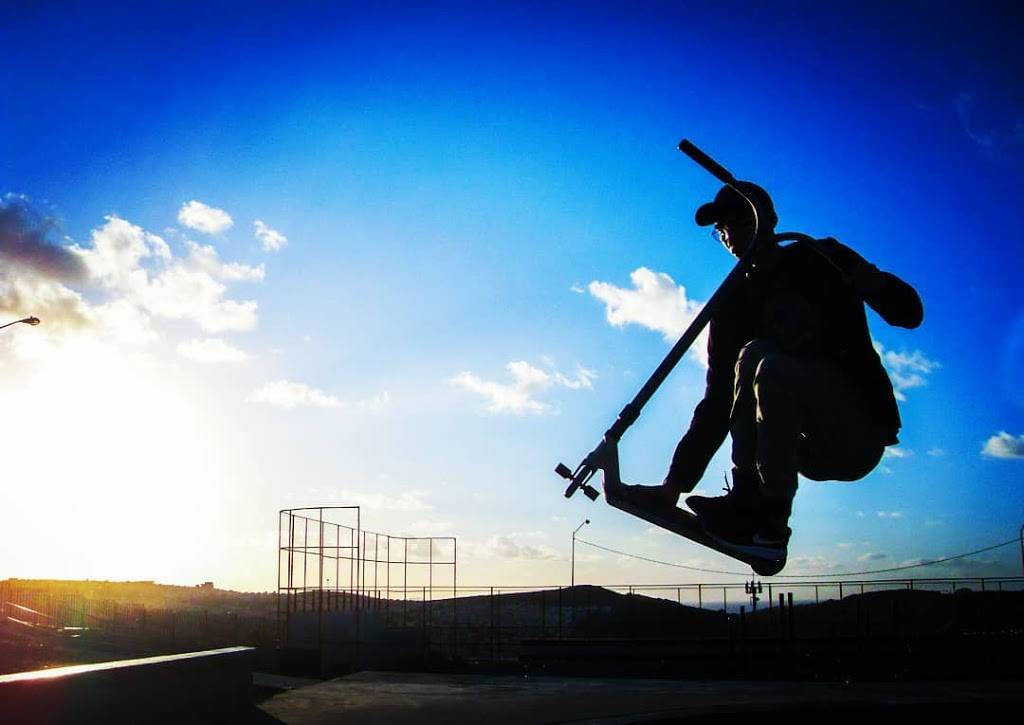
(712,166)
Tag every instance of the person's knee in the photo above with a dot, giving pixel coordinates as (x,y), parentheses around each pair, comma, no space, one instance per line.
(775,372)
(751,356)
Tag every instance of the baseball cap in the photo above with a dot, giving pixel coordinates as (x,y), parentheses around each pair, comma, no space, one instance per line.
(729,206)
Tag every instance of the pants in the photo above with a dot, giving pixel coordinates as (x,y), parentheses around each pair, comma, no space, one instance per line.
(793,414)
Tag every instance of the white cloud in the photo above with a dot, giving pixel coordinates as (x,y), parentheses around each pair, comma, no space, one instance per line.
(889,514)
(936,452)
(205,258)
(513,546)
(125,322)
(185,292)
(873,556)
(584,379)
(894,452)
(520,395)
(59,307)
(271,239)
(1004,445)
(211,350)
(906,370)
(654,302)
(207,219)
(115,257)
(287,394)
(179,289)
(136,280)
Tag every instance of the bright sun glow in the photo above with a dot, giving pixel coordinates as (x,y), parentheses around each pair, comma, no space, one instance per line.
(113,460)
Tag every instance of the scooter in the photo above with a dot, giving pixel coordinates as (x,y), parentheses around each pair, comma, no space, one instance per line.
(605,457)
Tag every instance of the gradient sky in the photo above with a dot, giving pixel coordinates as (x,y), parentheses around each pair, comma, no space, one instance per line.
(475,240)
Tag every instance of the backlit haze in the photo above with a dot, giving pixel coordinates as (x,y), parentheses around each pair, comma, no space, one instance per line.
(410,259)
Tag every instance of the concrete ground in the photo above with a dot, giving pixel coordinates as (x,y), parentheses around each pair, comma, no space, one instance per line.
(399,698)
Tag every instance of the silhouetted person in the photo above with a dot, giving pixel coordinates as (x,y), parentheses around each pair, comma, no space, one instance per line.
(792,375)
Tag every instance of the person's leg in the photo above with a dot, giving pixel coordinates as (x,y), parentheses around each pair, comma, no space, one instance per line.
(733,513)
(812,419)
(743,418)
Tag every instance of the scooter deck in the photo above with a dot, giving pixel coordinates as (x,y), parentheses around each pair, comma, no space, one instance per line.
(688,526)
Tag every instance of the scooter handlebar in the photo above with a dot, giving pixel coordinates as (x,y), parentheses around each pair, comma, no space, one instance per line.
(712,166)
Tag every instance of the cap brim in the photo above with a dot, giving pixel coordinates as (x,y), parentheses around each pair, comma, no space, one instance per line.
(708,214)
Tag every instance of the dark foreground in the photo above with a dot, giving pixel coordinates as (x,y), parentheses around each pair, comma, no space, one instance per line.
(400,698)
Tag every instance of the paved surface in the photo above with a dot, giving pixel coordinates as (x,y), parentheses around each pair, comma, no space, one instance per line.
(401,698)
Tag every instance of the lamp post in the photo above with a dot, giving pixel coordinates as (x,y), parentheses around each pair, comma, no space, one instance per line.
(572,568)
(27,320)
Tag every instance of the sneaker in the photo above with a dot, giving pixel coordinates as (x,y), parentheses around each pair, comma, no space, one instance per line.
(740,500)
(773,531)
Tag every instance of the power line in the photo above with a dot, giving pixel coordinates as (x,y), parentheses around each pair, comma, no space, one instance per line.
(930,562)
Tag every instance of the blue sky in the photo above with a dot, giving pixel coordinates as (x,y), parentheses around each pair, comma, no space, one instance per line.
(469,195)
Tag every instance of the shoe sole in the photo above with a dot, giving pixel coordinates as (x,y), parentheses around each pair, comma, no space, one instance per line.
(755,549)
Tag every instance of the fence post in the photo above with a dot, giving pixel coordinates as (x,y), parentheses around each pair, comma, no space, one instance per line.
(559,613)
(543,615)
(423,616)
(497,607)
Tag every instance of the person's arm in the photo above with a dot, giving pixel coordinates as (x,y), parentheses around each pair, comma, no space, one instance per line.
(710,422)
(896,301)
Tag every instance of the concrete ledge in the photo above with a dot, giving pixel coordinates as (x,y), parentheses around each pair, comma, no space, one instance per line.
(193,685)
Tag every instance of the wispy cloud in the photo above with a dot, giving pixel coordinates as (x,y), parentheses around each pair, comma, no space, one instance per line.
(1004,445)
(519,545)
(656,302)
(211,350)
(872,556)
(288,394)
(894,452)
(520,396)
(906,370)
(936,452)
(997,131)
(205,258)
(271,239)
(207,219)
(889,514)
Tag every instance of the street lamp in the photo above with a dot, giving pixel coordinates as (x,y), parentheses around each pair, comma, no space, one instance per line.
(28,321)
(572,573)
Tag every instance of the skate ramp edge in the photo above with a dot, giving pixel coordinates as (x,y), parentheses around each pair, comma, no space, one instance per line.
(193,685)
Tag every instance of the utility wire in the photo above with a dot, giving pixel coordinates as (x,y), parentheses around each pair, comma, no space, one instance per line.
(930,562)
